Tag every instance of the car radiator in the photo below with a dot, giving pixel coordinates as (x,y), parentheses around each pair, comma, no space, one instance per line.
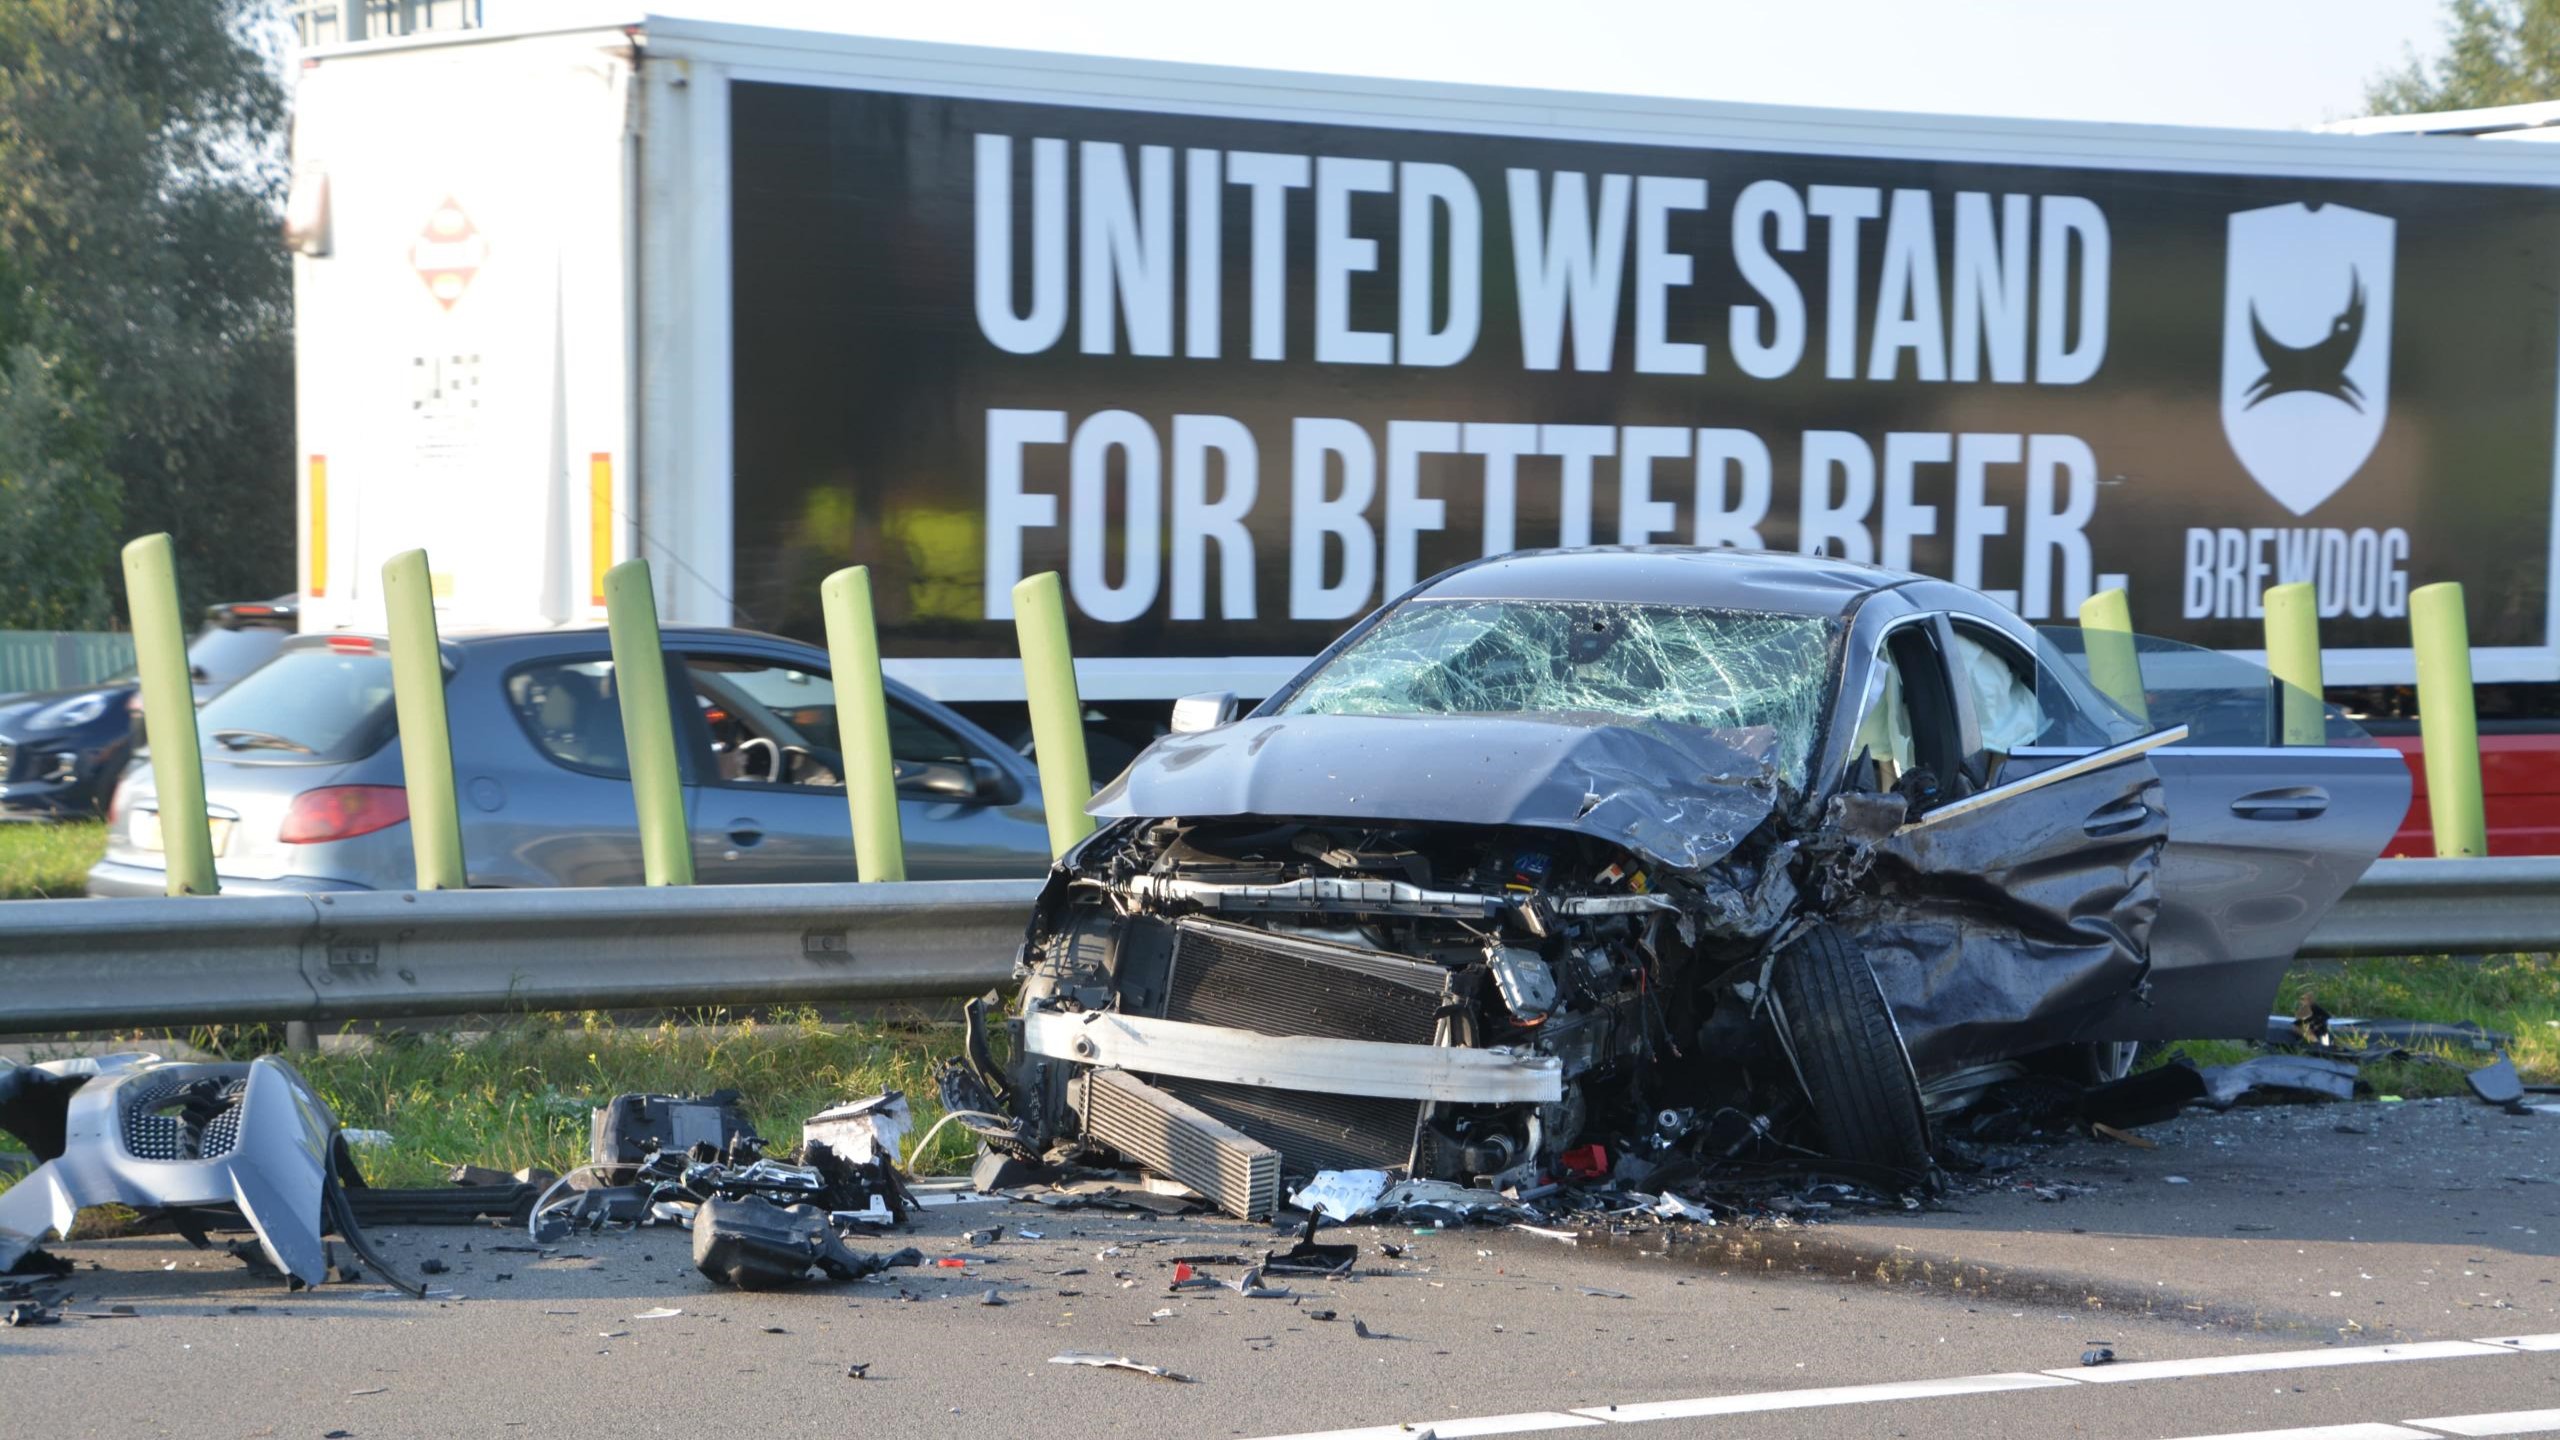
(1282,985)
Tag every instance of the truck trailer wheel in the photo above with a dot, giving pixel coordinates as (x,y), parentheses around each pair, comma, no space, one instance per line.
(1856,1073)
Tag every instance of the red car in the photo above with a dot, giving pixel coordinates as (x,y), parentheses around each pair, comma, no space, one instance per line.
(2519,763)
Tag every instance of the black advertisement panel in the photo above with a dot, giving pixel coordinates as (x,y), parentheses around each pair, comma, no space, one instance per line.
(1240,380)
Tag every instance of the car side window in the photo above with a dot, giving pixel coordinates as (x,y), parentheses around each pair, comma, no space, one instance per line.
(573,711)
(769,724)
(915,740)
(2224,701)
(772,724)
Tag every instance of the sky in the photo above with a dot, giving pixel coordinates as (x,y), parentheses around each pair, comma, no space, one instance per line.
(2280,64)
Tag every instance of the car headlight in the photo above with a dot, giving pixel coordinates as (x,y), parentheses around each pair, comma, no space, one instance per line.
(71,714)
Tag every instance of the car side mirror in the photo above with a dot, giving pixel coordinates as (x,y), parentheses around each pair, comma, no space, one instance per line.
(937,780)
(1206,711)
(995,784)
(980,781)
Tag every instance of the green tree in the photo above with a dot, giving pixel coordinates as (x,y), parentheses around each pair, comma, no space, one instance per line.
(2497,52)
(145,302)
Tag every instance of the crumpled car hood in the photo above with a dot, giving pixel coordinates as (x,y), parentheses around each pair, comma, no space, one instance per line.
(1676,795)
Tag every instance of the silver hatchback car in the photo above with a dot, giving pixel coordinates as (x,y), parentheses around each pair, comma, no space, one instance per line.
(304,784)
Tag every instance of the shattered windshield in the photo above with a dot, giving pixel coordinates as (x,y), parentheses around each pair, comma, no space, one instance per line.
(1759,679)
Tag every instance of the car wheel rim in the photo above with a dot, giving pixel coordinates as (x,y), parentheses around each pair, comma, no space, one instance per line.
(2115,1058)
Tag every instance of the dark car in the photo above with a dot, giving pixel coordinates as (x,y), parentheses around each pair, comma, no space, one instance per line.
(304,778)
(62,752)
(1666,848)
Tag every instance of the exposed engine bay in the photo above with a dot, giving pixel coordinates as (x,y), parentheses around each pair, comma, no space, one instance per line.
(1504,993)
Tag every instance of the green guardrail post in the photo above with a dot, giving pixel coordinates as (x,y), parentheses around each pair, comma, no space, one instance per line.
(426,741)
(2448,728)
(2106,637)
(169,713)
(2293,657)
(1057,710)
(862,725)
(648,725)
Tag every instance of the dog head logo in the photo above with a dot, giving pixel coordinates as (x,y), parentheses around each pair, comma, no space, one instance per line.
(2306,346)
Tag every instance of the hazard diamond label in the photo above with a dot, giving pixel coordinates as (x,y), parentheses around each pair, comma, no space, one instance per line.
(448,252)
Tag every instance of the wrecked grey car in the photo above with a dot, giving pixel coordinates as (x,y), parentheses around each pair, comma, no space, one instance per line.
(1667,847)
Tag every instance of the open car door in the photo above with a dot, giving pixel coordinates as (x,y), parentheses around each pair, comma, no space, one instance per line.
(2012,909)
(2264,836)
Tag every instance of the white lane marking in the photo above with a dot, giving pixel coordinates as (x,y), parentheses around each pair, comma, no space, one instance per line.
(2279,1360)
(2504,1422)
(1499,1425)
(2366,1431)
(1527,1422)
(1826,1395)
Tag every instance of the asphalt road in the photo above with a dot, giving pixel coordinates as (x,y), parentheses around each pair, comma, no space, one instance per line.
(2331,1267)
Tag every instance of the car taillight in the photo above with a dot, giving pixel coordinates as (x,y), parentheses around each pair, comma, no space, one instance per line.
(342,812)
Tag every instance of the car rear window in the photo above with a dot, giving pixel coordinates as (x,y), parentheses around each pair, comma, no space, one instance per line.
(219,656)
(312,703)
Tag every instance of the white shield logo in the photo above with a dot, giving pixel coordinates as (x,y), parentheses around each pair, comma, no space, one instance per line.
(2306,346)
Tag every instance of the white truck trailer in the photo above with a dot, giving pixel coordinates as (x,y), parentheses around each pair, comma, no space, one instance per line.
(1243,354)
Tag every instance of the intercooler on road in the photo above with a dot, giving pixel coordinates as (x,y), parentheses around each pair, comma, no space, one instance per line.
(1248,979)
(1240,1175)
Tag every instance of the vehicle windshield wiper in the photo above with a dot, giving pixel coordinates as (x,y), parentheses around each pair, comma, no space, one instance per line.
(260,740)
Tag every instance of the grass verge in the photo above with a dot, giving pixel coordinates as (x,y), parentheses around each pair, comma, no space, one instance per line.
(2514,995)
(48,861)
(520,1095)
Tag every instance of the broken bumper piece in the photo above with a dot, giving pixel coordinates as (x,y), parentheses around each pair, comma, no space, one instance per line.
(159,1136)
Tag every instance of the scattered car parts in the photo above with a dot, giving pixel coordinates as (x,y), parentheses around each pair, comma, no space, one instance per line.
(754,1244)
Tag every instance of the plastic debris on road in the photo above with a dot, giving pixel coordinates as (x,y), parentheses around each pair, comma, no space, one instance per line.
(1342,1195)
(1117,1362)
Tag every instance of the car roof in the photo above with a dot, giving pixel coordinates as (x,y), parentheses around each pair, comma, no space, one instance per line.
(471,638)
(502,646)
(1712,578)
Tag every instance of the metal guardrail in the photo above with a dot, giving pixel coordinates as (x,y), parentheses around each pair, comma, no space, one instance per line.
(378,955)
(381,955)
(2445,907)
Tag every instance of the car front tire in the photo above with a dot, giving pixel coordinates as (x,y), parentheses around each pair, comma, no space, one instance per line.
(1857,1076)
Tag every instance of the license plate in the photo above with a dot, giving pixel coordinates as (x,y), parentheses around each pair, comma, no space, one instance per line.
(146,831)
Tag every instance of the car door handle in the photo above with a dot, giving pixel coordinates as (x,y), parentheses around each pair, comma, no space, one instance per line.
(2290,802)
(745,834)
(2117,818)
